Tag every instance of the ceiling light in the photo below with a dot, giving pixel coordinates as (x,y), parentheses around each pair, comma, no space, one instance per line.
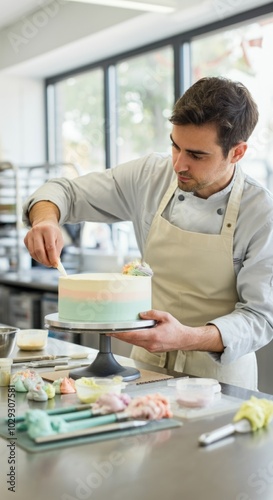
(127,4)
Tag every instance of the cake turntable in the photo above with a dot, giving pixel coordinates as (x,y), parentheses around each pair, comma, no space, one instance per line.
(105,364)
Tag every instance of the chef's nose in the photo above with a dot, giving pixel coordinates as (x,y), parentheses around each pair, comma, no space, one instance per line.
(180,163)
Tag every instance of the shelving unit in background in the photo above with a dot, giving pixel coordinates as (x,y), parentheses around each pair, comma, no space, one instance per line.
(16,184)
(10,217)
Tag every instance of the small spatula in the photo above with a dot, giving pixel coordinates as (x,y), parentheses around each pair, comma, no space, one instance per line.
(241,426)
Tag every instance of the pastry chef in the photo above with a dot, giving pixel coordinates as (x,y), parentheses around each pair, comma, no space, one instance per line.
(204,227)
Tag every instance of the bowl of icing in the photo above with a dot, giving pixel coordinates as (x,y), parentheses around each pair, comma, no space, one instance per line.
(31,340)
(89,389)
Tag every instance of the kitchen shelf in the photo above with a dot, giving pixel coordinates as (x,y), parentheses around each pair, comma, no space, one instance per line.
(16,184)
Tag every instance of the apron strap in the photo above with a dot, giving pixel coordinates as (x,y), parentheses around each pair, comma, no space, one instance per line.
(233,203)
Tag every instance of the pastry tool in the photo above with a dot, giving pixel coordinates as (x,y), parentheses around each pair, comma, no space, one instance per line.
(61,269)
(76,355)
(241,426)
(45,363)
(74,365)
(67,416)
(60,411)
(95,421)
(118,426)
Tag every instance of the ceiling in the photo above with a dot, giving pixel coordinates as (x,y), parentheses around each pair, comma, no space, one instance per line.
(97,31)
(13,10)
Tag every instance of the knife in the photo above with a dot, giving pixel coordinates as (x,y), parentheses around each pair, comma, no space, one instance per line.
(44,363)
(26,359)
(41,357)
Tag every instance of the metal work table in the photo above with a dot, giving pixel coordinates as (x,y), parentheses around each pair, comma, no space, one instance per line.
(165,464)
(45,280)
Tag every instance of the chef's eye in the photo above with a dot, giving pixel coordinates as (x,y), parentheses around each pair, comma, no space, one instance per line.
(195,156)
(174,145)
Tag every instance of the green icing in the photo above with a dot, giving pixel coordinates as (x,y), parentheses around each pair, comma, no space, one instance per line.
(102,311)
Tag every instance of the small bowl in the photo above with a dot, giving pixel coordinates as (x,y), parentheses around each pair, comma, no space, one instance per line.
(7,340)
(31,340)
(196,392)
(89,389)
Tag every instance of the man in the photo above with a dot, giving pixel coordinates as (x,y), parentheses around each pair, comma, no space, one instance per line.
(204,227)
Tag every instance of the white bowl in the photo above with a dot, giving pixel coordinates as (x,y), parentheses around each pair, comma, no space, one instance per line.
(32,340)
(89,389)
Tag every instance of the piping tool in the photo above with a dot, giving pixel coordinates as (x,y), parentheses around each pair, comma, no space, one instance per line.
(241,426)
(61,269)
(60,411)
(74,414)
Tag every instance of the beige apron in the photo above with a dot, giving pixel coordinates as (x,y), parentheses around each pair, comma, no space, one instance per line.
(194,280)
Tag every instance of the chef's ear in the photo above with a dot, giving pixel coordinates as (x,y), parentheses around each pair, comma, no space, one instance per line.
(238,152)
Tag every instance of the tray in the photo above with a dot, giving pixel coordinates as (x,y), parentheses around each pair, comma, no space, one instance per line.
(23,440)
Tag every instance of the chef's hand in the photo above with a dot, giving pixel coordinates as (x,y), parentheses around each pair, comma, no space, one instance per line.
(44,240)
(171,335)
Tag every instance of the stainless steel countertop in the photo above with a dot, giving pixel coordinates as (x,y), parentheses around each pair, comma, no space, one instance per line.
(163,465)
(32,279)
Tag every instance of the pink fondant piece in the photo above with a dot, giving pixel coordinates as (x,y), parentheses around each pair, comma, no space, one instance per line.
(67,386)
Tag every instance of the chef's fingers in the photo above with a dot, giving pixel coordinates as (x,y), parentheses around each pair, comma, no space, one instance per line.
(147,338)
(159,316)
(44,243)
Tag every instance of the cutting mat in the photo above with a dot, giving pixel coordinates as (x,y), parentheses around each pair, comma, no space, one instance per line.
(24,441)
(146,376)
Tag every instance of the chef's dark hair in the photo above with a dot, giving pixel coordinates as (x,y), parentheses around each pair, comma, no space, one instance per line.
(220,101)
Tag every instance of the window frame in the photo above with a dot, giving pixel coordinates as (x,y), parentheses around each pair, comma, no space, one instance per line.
(182,71)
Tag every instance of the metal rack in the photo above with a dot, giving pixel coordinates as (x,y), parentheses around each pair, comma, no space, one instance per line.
(10,214)
(16,184)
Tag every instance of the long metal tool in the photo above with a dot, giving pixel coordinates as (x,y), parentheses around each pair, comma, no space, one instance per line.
(118,426)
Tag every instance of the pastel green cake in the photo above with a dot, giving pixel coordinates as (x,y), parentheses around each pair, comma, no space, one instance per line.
(103,297)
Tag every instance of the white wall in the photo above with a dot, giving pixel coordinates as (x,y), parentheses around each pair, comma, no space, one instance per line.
(22,120)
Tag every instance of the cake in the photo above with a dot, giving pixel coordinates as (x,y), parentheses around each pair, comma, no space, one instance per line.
(104,297)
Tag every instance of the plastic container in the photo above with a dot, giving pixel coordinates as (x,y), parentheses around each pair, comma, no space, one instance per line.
(196,392)
(32,340)
(5,371)
(90,389)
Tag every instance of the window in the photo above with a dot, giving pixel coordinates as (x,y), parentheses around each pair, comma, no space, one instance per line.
(145,91)
(119,110)
(79,125)
(244,54)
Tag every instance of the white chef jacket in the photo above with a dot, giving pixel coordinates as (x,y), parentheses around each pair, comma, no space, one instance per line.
(132,191)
